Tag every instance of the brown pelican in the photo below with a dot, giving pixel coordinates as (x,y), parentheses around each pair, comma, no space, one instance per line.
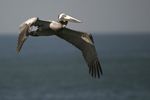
(83,41)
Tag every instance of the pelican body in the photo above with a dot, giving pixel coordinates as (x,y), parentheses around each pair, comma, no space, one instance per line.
(83,41)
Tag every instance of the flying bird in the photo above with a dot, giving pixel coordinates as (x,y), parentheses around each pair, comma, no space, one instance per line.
(83,41)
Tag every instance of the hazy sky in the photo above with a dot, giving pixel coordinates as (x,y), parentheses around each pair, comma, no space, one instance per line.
(97,15)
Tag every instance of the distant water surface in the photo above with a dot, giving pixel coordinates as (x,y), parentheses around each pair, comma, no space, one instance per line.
(49,68)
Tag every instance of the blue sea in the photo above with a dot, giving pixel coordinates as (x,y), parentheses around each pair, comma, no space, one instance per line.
(49,68)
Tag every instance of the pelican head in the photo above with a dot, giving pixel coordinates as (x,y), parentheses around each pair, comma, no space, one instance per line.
(63,17)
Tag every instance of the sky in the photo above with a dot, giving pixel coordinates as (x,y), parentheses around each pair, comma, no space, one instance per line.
(98,16)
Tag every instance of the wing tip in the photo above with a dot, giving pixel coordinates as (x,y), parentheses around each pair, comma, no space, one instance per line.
(95,70)
(17,50)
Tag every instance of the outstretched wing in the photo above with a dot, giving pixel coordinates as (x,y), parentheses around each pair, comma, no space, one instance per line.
(25,29)
(84,42)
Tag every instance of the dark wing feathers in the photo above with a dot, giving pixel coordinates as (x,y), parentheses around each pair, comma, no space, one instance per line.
(84,42)
(25,29)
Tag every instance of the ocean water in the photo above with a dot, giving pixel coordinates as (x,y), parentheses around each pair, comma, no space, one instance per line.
(49,68)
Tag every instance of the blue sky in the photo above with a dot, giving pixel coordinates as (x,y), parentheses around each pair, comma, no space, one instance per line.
(97,15)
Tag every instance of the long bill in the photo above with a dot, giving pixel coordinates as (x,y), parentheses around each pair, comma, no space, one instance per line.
(71,19)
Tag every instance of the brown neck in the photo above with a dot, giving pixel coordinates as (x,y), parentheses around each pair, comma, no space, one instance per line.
(64,23)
